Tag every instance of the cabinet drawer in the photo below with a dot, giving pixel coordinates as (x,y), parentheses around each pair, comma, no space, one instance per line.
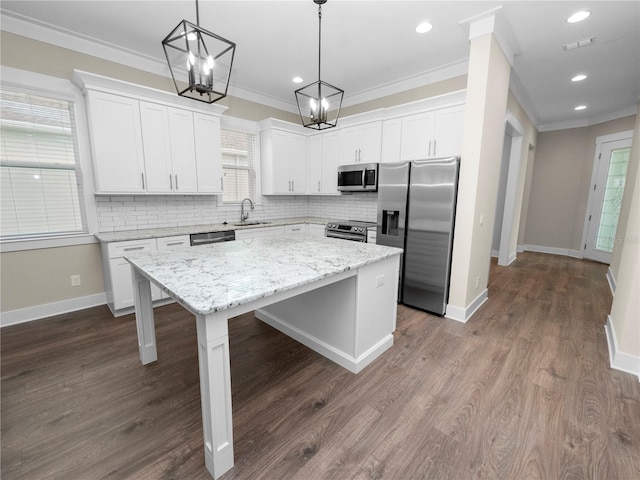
(177,241)
(298,228)
(120,249)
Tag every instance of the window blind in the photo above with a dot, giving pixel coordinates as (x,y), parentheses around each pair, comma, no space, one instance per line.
(238,166)
(40,177)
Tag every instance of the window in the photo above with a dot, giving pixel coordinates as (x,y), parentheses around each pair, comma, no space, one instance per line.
(39,167)
(238,166)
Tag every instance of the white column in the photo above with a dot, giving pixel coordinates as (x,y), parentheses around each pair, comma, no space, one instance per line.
(144,318)
(215,392)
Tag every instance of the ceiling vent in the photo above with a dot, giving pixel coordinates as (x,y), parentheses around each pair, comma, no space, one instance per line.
(580,43)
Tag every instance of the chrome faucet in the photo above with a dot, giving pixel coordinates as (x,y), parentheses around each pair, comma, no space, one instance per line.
(245,216)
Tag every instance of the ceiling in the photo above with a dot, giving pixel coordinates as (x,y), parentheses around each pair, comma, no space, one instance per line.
(369,48)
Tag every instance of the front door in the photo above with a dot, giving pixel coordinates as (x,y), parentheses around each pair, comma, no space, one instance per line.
(605,199)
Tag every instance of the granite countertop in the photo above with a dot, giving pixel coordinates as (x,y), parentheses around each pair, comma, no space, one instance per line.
(188,230)
(215,277)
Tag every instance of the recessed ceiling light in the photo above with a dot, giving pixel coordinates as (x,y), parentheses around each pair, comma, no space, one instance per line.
(581,107)
(297,80)
(424,27)
(579,78)
(578,16)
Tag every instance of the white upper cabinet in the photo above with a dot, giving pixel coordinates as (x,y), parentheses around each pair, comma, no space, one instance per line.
(183,151)
(284,162)
(116,143)
(314,164)
(330,161)
(157,150)
(391,138)
(417,136)
(361,143)
(208,153)
(169,149)
(432,134)
(449,126)
(145,141)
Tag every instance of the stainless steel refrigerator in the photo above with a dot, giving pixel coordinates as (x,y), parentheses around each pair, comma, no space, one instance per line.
(416,211)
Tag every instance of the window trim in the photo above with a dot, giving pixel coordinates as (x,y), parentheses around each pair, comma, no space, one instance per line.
(31,82)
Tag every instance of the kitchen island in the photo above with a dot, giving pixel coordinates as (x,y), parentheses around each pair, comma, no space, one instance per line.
(334,296)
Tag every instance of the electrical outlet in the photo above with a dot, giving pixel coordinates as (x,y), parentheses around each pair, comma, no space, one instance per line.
(380,281)
(75,280)
(477,282)
(481,219)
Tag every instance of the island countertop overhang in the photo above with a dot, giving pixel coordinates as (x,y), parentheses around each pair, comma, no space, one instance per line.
(217,277)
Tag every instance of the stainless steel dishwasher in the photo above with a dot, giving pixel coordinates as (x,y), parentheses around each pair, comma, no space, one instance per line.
(212,237)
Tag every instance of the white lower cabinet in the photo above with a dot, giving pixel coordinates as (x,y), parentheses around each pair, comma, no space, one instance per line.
(117,270)
(118,274)
(171,243)
(247,233)
(316,230)
(297,228)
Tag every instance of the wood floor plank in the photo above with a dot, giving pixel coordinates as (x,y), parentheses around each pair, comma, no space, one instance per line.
(523,390)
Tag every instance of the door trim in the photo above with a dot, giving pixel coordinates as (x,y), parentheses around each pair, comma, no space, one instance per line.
(515,129)
(600,141)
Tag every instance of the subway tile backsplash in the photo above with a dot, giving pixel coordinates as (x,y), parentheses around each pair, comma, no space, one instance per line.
(133,212)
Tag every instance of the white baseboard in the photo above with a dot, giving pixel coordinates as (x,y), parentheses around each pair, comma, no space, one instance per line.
(510,260)
(22,315)
(343,359)
(553,251)
(520,248)
(619,360)
(460,314)
(612,281)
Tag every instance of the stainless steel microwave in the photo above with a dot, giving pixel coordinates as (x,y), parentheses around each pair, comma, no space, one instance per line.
(358,177)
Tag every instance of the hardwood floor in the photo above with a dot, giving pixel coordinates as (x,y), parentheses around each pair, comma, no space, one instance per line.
(523,390)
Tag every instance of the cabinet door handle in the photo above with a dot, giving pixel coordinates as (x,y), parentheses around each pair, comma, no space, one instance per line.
(429,154)
(359,155)
(434,148)
(142,175)
(293,189)
(170,182)
(172,244)
(177,188)
(318,186)
(221,184)
(129,249)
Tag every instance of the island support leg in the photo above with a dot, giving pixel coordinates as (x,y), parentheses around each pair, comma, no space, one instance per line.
(215,392)
(144,318)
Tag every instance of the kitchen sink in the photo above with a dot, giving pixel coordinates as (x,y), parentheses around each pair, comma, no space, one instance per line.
(250,222)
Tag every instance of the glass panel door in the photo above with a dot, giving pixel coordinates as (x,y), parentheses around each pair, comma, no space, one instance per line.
(612,199)
(605,199)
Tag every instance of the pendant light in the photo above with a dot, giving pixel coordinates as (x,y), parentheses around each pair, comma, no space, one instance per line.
(319,103)
(200,59)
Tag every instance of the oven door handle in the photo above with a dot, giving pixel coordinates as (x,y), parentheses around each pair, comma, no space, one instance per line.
(347,236)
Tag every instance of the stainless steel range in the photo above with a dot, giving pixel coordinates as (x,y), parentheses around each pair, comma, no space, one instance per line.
(355,230)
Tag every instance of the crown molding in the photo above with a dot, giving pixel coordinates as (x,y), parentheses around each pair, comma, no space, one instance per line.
(587,122)
(452,70)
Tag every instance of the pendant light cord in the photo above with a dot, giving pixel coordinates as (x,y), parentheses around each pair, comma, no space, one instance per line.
(197,14)
(319,40)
